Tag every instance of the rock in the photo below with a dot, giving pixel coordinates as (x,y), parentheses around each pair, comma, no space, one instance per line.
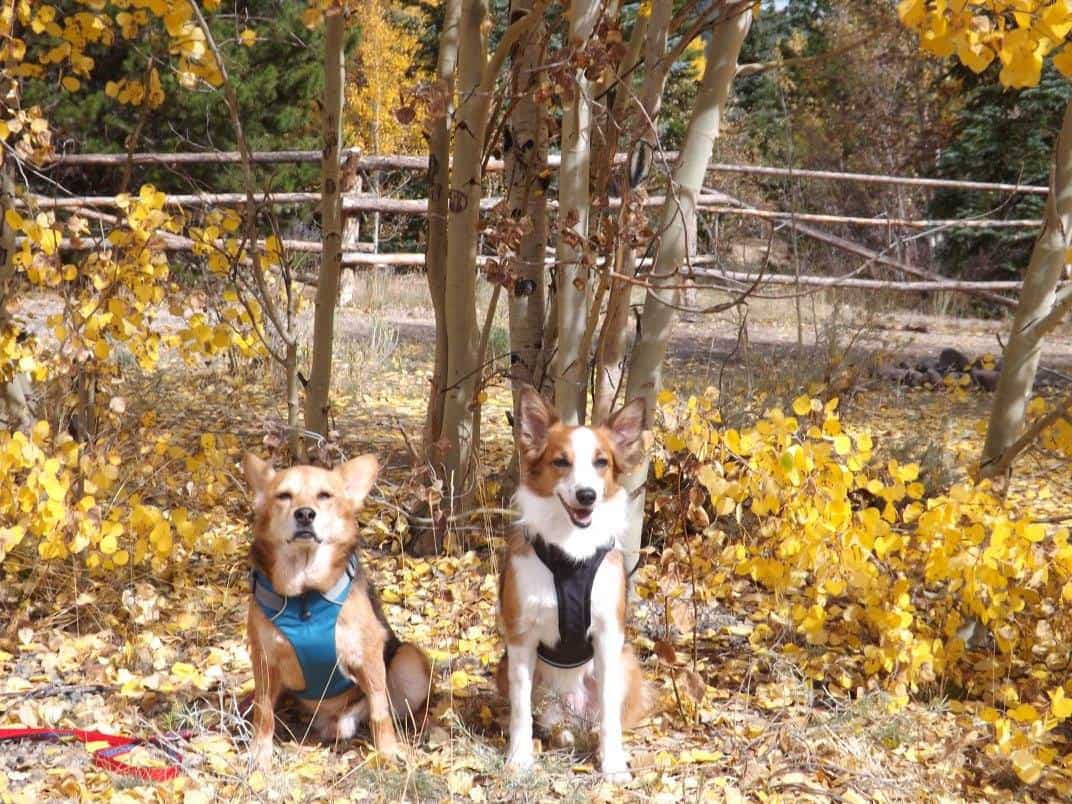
(913,378)
(985,378)
(952,360)
(929,365)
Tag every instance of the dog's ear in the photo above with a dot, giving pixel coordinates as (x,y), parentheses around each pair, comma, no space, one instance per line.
(258,473)
(358,475)
(626,428)
(536,418)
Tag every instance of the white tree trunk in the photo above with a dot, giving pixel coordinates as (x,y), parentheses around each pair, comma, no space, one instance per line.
(14,393)
(462,222)
(1039,310)
(526,159)
(573,288)
(438,192)
(317,400)
(614,334)
(351,232)
(645,366)
(476,81)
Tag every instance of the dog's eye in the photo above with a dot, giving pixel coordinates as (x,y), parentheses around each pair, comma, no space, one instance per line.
(324,495)
(562,462)
(600,463)
(284,496)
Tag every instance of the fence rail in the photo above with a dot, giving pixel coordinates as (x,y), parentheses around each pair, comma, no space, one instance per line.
(365,202)
(709,201)
(401,162)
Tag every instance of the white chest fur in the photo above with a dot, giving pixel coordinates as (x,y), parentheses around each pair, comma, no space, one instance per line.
(538,604)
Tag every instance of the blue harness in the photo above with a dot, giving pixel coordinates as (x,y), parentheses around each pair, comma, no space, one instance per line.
(307,621)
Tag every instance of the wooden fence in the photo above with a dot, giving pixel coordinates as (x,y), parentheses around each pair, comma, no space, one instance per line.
(710,201)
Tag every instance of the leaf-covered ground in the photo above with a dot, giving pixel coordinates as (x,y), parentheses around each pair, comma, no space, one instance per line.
(151,652)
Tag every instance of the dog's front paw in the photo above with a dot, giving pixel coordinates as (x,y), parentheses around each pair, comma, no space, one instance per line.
(391,749)
(519,760)
(615,768)
(261,755)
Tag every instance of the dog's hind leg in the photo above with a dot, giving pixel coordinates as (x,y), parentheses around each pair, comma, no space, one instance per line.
(409,680)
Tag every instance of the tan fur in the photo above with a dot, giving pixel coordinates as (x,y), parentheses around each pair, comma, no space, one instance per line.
(361,634)
(509,598)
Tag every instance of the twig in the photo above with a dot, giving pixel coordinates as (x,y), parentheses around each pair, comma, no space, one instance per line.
(1000,464)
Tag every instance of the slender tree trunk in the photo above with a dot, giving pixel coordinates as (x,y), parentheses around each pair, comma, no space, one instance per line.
(462,223)
(318,393)
(438,192)
(1039,310)
(614,334)
(645,366)
(571,367)
(526,160)
(295,442)
(351,231)
(14,392)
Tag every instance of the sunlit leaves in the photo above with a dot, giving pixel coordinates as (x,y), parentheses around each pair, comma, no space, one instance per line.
(385,60)
(884,579)
(1019,33)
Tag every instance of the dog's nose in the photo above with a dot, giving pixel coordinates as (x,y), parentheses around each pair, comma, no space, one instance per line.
(304,516)
(586,496)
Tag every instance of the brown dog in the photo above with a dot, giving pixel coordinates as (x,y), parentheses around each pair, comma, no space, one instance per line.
(316,627)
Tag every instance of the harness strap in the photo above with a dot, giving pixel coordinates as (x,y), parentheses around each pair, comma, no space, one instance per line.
(273,601)
(573,593)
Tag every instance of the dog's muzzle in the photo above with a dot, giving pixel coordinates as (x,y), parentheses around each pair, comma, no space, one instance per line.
(580,516)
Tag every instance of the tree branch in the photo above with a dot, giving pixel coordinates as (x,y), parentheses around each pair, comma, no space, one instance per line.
(231,98)
(998,466)
(510,38)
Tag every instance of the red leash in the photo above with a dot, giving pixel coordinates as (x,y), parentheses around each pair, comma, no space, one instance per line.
(105,758)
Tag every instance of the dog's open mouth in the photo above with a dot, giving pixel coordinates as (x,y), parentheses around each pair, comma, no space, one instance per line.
(580,517)
(305,535)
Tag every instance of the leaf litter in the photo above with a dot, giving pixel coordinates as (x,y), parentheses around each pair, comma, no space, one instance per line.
(146,651)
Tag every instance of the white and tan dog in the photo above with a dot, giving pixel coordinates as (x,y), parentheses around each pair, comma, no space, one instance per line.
(562,592)
(316,628)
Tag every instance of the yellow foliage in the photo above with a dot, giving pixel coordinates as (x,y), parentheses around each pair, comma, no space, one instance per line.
(1020,33)
(66,500)
(377,81)
(877,579)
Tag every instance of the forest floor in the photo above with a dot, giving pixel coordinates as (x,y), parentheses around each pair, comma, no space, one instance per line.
(152,651)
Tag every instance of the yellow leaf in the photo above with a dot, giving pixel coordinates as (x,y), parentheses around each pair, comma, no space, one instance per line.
(1060,705)
(1024,713)
(13,219)
(248,37)
(108,544)
(1026,765)
(70,83)
(1063,61)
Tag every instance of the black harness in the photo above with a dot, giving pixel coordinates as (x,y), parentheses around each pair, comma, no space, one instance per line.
(573,590)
